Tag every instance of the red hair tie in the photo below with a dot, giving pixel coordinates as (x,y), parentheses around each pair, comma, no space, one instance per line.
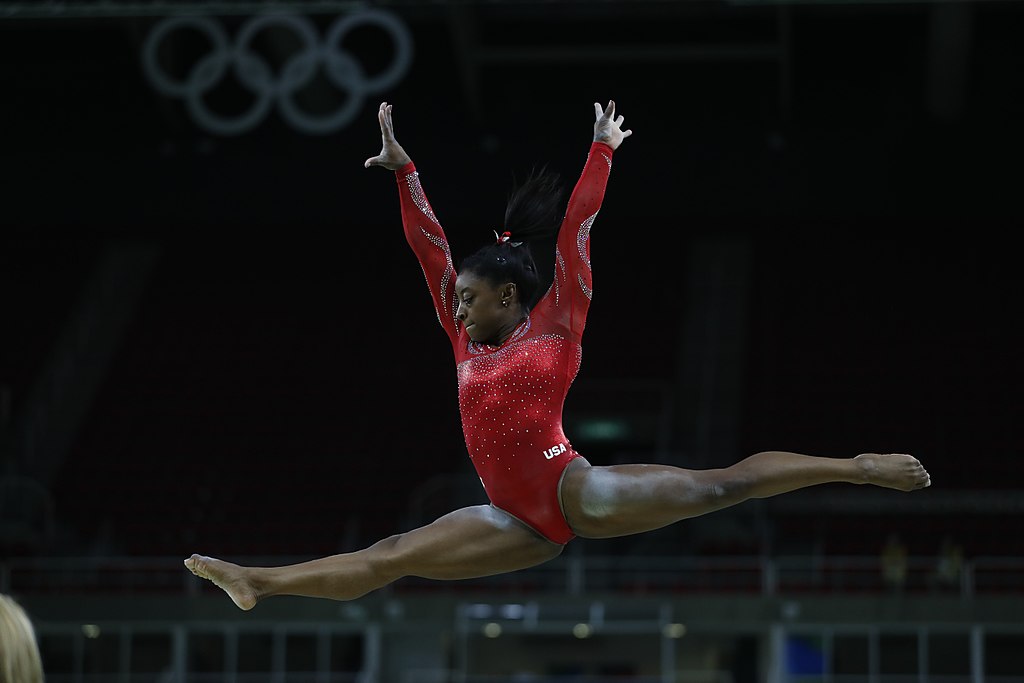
(505,237)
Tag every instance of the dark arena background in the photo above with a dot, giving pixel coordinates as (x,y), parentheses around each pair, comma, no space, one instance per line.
(215,338)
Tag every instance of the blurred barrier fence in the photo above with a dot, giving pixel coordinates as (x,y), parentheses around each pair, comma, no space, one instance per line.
(787,619)
(566,575)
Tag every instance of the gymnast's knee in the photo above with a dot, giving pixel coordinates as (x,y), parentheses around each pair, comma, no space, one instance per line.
(385,558)
(727,486)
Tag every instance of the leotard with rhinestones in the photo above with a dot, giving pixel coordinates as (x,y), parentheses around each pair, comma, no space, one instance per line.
(511,396)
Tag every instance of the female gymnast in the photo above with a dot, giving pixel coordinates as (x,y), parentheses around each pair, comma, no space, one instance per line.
(517,350)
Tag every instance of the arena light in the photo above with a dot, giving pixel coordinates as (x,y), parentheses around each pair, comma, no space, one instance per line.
(479,610)
(603,429)
(674,630)
(581,631)
(513,611)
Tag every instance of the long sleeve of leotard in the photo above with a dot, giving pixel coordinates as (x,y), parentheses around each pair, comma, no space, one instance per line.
(424,234)
(568,299)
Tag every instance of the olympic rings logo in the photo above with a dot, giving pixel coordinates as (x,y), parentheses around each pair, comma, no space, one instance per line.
(341,68)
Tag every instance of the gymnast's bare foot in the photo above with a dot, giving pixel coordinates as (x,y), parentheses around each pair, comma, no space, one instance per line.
(231,578)
(894,471)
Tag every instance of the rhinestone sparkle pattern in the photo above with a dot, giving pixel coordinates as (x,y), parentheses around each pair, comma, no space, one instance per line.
(582,237)
(446,276)
(477,348)
(560,271)
(587,291)
(419,198)
(511,400)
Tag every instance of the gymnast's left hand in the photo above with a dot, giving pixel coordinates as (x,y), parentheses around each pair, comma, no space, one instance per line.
(608,126)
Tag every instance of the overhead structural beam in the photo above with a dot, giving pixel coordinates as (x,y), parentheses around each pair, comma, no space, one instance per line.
(618,54)
(474,54)
(117,10)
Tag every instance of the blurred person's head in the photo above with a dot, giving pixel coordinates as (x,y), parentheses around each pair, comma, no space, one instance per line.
(19,651)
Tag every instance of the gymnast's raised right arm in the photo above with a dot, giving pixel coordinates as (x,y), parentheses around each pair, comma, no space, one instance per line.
(422,230)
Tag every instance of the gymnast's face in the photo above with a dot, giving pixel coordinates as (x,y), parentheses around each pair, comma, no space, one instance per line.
(481,309)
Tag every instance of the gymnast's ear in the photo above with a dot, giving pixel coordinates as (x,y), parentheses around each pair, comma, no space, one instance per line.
(508,291)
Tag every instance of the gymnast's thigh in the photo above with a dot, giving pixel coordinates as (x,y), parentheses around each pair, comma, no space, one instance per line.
(480,540)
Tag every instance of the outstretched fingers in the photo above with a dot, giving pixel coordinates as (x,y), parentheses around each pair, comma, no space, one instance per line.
(618,124)
(608,126)
(387,126)
(387,133)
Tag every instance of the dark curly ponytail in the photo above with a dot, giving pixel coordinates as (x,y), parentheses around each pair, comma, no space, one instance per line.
(533,214)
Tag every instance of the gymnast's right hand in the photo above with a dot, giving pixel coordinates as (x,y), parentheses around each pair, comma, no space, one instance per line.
(392,156)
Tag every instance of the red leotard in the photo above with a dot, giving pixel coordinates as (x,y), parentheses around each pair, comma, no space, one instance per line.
(511,396)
